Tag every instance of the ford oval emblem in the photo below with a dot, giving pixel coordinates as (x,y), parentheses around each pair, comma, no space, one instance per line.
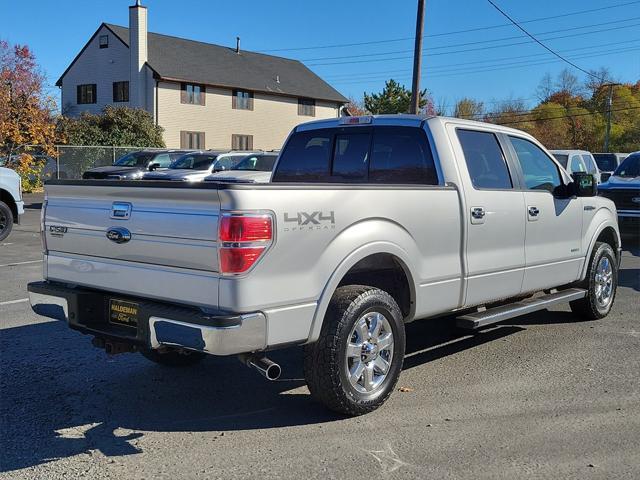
(635,199)
(119,235)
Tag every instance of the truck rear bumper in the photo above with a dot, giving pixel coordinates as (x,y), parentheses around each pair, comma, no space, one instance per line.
(157,324)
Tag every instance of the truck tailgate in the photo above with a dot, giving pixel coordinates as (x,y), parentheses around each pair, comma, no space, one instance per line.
(172,230)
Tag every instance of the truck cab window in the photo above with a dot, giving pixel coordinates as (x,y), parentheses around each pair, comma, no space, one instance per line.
(305,158)
(485,160)
(401,155)
(350,155)
(540,172)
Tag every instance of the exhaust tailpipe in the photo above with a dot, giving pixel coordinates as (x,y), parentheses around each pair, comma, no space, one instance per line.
(268,369)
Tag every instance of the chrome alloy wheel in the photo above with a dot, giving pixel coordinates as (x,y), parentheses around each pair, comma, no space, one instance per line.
(604,282)
(4,221)
(369,352)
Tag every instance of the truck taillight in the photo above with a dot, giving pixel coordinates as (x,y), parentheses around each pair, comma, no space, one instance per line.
(242,239)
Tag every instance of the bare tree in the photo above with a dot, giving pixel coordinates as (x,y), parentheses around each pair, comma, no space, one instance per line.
(568,83)
(545,88)
(598,78)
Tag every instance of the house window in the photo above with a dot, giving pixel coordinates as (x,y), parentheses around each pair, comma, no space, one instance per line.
(86,93)
(120,91)
(241,142)
(192,93)
(242,100)
(104,41)
(307,107)
(192,140)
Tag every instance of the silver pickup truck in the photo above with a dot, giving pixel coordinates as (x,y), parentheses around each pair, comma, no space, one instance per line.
(367,223)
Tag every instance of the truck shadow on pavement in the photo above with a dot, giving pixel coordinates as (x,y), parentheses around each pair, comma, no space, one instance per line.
(60,397)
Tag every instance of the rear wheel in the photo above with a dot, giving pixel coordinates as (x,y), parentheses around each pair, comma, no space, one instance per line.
(356,362)
(6,220)
(173,358)
(601,283)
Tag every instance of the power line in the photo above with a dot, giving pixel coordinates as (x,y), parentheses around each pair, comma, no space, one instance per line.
(471,49)
(567,116)
(456,32)
(478,42)
(350,76)
(497,68)
(539,42)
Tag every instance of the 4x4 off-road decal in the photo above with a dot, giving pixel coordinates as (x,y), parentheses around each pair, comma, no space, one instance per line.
(305,221)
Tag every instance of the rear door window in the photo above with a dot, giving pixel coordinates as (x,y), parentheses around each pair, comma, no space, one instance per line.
(485,160)
(401,156)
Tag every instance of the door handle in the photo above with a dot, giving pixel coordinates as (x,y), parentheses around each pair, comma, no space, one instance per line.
(533,211)
(477,212)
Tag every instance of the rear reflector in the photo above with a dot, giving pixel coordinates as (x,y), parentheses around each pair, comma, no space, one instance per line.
(238,260)
(243,228)
(242,239)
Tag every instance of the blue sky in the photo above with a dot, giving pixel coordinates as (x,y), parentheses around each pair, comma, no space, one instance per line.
(504,65)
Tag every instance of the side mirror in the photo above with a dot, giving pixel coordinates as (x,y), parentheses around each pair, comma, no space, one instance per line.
(153,166)
(218,168)
(604,176)
(584,184)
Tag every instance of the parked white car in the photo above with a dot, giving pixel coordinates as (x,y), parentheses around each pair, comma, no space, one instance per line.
(195,167)
(578,161)
(254,168)
(11,203)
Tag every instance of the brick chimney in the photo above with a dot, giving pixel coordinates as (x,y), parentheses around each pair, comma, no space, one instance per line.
(138,55)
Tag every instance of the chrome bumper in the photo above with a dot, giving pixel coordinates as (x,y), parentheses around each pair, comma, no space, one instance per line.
(213,334)
(249,336)
(49,306)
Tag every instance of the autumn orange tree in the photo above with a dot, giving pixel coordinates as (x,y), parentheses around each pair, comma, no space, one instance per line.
(27,125)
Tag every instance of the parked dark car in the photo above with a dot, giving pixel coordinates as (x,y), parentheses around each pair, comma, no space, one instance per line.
(623,187)
(135,164)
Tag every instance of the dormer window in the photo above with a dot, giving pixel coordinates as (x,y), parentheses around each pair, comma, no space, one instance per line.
(104,41)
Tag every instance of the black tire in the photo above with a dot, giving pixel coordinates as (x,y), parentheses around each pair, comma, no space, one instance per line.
(173,358)
(6,220)
(589,307)
(326,362)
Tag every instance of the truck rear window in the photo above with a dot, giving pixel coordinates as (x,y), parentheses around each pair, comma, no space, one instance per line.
(374,155)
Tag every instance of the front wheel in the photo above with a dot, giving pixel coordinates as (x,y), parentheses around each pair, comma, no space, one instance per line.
(601,283)
(355,364)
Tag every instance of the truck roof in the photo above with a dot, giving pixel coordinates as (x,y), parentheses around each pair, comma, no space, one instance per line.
(406,120)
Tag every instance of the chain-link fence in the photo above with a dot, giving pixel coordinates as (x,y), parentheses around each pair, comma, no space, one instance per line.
(73,160)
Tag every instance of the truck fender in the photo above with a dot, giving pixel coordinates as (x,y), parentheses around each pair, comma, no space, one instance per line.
(601,220)
(342,269)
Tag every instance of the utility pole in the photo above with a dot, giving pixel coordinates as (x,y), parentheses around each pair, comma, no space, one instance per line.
(417,60)
(609,105)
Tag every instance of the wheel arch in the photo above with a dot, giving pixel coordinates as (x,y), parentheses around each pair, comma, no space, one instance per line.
(606,231)
(7,198)
(369,253)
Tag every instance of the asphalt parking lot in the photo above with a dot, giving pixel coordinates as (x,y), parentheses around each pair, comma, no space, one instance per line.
(542,396)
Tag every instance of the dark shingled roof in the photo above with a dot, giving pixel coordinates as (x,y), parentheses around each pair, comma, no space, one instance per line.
(181,59)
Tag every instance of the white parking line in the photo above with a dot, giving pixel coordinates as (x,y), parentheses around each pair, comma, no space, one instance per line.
(11,302)
(20,263)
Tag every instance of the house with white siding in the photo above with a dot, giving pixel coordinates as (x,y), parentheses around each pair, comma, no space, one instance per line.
(203,95)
